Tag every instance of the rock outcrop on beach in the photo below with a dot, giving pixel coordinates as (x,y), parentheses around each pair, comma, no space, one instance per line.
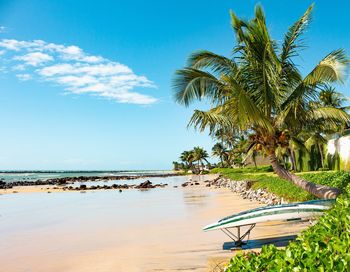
(245,190)
(83,187)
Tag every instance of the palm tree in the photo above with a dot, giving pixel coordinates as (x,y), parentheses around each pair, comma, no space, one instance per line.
(187,158)
(260,91)
(219,151)
(330,97)
(199,155)
(226,135)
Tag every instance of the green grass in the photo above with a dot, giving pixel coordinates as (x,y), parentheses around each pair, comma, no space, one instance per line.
(264,179)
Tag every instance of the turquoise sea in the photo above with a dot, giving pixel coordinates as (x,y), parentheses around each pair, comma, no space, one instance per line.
(10,176)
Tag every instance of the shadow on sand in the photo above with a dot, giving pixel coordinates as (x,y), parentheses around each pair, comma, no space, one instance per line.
(280,241)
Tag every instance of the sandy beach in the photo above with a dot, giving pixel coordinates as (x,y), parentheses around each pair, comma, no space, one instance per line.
(153,230)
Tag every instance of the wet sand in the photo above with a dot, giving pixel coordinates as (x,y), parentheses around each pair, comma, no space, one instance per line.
(154,230)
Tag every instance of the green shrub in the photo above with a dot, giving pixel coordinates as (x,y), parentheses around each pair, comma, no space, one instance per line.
(339,179)
(323,247)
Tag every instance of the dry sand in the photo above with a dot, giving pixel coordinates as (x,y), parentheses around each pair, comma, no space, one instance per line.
(98,240)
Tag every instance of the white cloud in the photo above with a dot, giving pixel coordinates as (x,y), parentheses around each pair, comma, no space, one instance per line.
(76,71)
(2,29)
(35,58)
(76,81)
(24,77)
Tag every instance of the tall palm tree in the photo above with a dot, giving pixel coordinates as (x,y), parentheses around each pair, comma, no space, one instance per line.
(260,90)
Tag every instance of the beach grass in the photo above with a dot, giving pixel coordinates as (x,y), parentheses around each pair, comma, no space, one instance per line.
(265,179)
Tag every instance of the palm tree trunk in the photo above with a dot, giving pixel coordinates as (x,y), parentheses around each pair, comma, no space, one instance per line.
(254,159)
(292,158)
(319,191)
(321,154)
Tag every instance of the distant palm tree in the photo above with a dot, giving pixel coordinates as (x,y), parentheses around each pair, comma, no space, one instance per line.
(219,151)
(226,135)
(260,90)
(200,155)
(187,158)
(329,97)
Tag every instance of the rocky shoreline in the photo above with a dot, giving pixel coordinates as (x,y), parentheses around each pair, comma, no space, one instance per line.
(244,189)
(143,185)
(70,180)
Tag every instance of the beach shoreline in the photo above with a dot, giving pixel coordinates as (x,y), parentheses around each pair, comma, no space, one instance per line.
(176,242)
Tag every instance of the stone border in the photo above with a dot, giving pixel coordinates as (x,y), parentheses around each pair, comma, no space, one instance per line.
(244,189)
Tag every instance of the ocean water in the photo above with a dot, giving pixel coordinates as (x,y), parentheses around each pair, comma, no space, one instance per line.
(10,176)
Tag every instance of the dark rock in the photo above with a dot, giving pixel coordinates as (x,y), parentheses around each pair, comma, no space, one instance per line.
(145,185)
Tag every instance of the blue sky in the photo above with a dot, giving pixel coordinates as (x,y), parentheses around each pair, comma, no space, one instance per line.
(87,84)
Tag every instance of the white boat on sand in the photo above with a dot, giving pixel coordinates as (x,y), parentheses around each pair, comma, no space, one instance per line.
(288,212)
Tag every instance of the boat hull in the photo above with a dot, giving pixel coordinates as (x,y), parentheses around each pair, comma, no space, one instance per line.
(271,213)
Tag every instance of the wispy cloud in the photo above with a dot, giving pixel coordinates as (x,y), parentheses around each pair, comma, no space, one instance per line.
(2,29)
(24,77)
(73,69)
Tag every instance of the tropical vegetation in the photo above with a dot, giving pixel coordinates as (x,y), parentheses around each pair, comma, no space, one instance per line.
(322,247)
(192,160)
(263,178)
(262,104)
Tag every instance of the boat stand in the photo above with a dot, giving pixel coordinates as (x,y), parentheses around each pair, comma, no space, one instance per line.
(238,239)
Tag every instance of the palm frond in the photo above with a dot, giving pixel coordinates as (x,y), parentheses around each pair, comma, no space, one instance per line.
(206,59)
(291,39)
(245,113)
(331,115)
(191,84)
(296,143)
(212,119)
(314,140)
(330,69)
